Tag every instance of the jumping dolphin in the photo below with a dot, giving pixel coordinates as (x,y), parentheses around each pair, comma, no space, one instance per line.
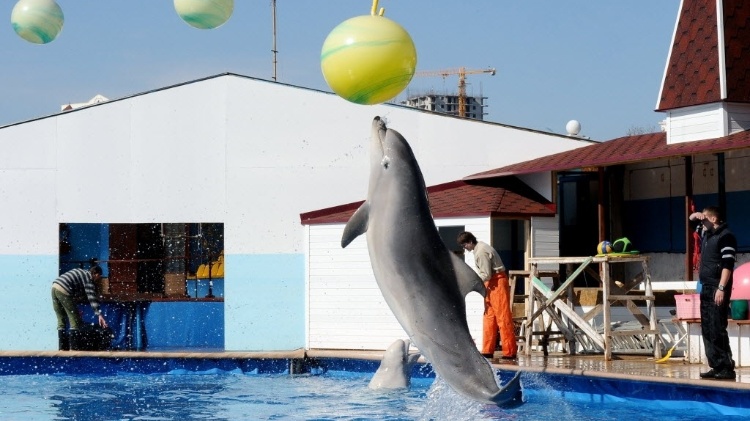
(395,368)
(422,281)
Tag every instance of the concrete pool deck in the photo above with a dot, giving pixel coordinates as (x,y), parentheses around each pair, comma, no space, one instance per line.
(630,367)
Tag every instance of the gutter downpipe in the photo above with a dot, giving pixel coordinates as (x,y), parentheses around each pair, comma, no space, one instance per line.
(689,208)
(601,206)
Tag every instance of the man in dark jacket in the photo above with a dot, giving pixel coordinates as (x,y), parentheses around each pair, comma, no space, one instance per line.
(718,250)
(66,290)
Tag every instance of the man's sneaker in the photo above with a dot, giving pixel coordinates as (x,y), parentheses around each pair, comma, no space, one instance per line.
(710,374)
(725,375)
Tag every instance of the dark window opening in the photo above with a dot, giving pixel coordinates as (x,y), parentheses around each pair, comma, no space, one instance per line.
(449,236)
(175,260)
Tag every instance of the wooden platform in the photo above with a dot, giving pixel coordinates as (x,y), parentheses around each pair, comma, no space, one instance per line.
(546,306)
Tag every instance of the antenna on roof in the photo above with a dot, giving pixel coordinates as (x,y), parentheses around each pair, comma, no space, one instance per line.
(273,49)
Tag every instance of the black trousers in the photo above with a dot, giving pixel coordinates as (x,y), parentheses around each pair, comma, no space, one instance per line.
(714,328)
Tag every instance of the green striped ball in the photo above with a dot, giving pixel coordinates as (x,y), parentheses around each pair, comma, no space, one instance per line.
(204,14)
(368,59)
(37,21)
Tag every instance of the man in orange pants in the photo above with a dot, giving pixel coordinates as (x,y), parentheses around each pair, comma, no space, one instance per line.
(497,312)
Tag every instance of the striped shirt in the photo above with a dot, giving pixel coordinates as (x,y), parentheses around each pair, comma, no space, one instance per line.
(77,283)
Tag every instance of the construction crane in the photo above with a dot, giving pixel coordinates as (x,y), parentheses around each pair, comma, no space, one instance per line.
(461,72)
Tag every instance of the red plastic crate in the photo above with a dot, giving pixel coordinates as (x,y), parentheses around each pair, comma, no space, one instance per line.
(688,306)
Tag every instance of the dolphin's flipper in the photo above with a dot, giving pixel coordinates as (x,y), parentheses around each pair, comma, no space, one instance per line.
(468,280)
(357,225)
(509,391)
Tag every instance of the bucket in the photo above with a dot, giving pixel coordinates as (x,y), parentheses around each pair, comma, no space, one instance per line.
(739,309)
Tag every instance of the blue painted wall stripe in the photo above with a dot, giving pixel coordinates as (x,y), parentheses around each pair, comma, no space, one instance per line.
(265,302)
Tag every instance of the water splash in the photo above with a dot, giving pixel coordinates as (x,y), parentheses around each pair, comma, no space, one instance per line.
(444,403)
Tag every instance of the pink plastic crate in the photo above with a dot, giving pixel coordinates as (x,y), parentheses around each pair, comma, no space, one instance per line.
(688,306)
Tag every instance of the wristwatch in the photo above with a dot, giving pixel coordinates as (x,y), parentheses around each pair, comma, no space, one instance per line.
(721,287)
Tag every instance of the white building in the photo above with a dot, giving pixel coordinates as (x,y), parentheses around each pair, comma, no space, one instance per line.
(247,153)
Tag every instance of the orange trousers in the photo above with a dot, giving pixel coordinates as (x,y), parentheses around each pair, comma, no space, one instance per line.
(497,315)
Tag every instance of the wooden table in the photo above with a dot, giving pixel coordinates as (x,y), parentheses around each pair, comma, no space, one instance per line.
(541,299)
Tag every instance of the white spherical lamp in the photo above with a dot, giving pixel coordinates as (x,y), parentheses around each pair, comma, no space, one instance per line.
(204,14)
(573,128)
(37,21)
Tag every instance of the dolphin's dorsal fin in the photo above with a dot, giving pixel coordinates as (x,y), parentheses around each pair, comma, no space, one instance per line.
(357,225)
(468,280)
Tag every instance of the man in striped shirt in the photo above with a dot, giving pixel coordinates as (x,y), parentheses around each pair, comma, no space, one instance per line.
(67,289)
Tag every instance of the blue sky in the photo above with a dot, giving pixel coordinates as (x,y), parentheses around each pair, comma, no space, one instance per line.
(600,62)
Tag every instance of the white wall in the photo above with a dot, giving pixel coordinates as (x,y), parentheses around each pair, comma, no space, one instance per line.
(705,121)
(541,182)
(28,189)
(345,308)
(545,239)
(315,146)
(739,117)
(158,157)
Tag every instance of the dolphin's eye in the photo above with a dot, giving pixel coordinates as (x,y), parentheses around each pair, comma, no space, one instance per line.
(386,162)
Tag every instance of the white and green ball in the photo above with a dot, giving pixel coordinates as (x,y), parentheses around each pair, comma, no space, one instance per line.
(368,59)
(204,14)
(37,21)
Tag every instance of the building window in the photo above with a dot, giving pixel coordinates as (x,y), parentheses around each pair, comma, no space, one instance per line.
(509,239)
(449,234)
(175,260)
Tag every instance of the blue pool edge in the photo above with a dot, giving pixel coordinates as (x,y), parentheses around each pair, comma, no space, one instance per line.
(726,398)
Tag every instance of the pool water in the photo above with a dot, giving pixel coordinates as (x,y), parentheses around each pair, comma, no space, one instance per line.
(334,395)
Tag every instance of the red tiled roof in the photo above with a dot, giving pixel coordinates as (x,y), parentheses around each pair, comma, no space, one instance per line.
(624,150)
(737,50)
(458,199)
(693,74)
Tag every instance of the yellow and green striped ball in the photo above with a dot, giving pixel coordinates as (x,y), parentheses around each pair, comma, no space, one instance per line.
(368,59)
(204,14)
(37,21)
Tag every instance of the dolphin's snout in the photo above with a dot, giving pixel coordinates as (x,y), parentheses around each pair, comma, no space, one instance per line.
(378,134)
(378,124)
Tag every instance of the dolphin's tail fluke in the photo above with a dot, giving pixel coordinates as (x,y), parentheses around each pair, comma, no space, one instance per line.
(510,393)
